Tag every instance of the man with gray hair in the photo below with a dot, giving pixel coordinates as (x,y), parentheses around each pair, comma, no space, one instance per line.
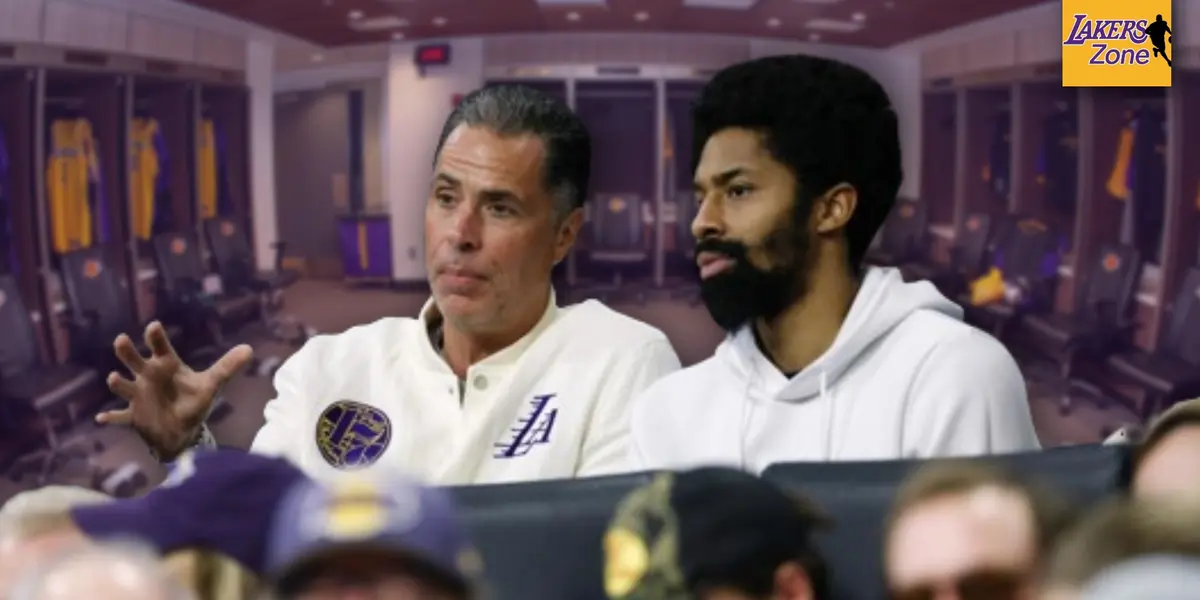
(102,572)
(493,381)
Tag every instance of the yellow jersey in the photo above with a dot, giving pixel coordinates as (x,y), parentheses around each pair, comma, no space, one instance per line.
(72,165)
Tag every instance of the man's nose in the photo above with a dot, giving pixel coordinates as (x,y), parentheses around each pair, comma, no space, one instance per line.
(465,228)
(709,221)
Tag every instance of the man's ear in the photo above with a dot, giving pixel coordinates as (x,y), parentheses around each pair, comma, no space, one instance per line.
(568,232)
(833,209)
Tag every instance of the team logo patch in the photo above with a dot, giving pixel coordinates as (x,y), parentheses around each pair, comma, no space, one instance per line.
(973,224)
(1112,262)
(352,435)
(92,268)
(178,246)
(616,205)
(907,211)
(532,429)
(226,228)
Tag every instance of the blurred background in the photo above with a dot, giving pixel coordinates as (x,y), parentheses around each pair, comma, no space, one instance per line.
(263,165)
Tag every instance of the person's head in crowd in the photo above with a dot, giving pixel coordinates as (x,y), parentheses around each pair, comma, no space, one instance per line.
(49,499)
(1117,532)
(510,177)
(218,500)
(101,572)
(211,575)
(714,534)
(358,538)
(966,529)
(1160,577)
(1167,461)
(36,526)
(796,165)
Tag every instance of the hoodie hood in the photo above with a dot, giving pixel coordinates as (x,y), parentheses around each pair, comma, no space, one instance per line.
(884,300)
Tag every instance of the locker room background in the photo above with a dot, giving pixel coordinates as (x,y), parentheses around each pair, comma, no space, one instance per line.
(323,144)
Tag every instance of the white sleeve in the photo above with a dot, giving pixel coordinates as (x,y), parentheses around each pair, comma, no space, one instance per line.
(968,399)
(606,449)
(281,435)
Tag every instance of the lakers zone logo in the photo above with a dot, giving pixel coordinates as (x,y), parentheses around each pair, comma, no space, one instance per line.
(1103,33)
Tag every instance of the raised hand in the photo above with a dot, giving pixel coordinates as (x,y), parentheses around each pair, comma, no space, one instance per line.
(168,401)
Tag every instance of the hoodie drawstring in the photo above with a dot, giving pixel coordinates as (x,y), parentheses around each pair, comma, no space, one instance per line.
(827,420)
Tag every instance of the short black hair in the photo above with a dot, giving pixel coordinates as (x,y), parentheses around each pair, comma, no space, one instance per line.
(827,121)
(522,110)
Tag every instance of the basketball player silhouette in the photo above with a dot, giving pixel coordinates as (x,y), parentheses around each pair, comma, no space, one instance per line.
(1158,31)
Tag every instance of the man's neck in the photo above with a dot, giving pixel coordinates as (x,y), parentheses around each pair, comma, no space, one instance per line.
(463,347)
(805,330)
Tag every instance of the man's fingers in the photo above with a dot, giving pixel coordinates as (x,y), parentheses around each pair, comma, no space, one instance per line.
(128,354)
(232,363)
(121,386)
(123,416)
(157,340)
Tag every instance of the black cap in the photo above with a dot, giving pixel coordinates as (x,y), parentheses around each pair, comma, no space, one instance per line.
(702,526)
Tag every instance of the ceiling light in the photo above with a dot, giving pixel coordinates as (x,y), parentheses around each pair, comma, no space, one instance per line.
(318,57)
(573,16)
(834,25)
(889,4)
(641,16)
(327,2)
(397,36)
(439,21)
(773,23)
(859,16)
(356,14)
(814,37)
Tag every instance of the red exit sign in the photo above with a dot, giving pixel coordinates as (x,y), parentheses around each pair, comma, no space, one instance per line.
(433,55)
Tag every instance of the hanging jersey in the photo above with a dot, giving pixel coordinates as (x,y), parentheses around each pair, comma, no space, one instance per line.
(1118,178)
(143,176)
(224,197)
(206,170)
(996,171)
(1057,166)
(71,170)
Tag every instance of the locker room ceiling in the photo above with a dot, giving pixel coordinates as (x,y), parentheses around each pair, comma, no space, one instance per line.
(872,23)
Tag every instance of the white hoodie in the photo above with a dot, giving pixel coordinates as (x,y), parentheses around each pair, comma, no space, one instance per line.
(905,378)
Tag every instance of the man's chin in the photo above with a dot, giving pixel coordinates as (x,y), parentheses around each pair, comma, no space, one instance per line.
(729,311)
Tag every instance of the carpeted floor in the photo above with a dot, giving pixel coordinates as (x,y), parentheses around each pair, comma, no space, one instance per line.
(332,307)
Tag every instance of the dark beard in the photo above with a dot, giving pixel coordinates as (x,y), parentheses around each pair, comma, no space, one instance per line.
(746,293)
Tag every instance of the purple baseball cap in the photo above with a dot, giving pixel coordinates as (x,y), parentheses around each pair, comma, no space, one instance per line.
(414,524)
(219,500)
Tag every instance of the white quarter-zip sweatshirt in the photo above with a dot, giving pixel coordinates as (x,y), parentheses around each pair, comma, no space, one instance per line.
(905,378)
(380,398)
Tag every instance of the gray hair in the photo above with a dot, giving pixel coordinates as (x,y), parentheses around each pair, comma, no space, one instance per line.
(119,559)
(512,110)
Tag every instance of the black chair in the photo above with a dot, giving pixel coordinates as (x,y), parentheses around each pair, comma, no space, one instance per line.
(1028,257)
(191,298)
(26,383)
(233,259)
(99,308)
(1102,323)
(858,497)
(543,539)
(904,235)
(967,256)
(1172,373)
(618,242)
